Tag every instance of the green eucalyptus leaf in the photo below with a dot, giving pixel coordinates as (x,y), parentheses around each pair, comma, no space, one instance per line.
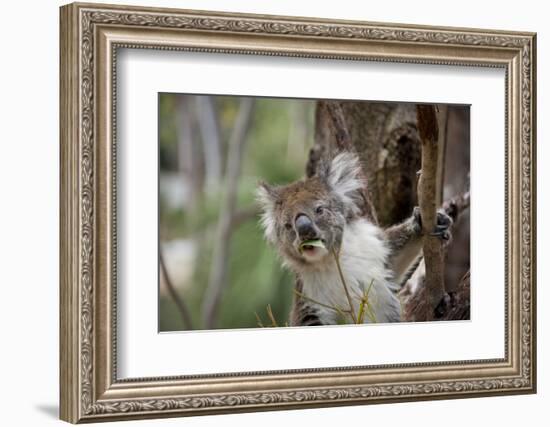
(317,243)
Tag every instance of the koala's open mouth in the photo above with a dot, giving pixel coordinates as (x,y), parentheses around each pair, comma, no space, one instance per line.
(308,246)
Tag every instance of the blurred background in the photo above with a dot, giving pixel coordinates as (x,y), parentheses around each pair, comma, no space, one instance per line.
(213,152)
(216,270)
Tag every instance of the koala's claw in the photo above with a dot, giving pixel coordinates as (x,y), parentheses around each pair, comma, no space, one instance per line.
(442,229)
(444,220)
(443,235)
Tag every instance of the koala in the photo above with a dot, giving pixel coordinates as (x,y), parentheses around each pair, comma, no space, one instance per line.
(316,221)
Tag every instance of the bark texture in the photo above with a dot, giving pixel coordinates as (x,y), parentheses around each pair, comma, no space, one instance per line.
(417,302)
(331,136)
(456,181)
(428,187)
(385,137)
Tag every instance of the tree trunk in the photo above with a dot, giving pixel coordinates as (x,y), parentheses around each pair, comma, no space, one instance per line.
(384,136)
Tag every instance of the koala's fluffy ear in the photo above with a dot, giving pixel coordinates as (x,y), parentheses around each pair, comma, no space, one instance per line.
(343,176)
(268,197)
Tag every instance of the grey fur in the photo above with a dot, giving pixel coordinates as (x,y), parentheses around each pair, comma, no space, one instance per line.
(329,200)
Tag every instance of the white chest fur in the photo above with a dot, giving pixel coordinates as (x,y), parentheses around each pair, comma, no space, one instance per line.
(363,259)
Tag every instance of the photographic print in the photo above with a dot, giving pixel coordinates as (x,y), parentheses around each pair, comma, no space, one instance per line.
(262,183)
(300,212)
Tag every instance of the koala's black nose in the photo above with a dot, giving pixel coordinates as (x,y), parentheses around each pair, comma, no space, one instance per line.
(305,227)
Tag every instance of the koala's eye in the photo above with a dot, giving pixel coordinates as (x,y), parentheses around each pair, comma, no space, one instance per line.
(288,225)
(319,210)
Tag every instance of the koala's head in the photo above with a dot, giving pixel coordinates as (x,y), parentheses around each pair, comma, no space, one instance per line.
(313,209)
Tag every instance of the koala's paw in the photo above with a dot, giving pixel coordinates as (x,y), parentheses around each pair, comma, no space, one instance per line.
(442,228)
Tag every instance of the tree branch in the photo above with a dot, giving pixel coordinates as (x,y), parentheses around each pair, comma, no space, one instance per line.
(413,295)
(344,284)
(211,139)
(189,155)
(219,267)
(333,137)
(428,130)
(180,304)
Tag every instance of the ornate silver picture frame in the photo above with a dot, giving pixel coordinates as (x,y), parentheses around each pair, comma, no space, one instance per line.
(91,34)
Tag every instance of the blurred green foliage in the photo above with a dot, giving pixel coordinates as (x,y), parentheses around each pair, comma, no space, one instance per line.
(273,154)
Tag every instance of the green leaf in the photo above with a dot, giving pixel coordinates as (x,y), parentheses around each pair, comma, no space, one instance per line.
(317,243)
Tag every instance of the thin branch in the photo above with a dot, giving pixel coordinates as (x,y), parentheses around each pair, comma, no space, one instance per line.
(340,311)
(367,307)
(189,155)
(258,320)
(271,316)
(219,268)
(180,304)
(209,128)
(344,284)
(428,130)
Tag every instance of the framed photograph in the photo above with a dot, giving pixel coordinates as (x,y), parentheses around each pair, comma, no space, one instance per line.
(266,212)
